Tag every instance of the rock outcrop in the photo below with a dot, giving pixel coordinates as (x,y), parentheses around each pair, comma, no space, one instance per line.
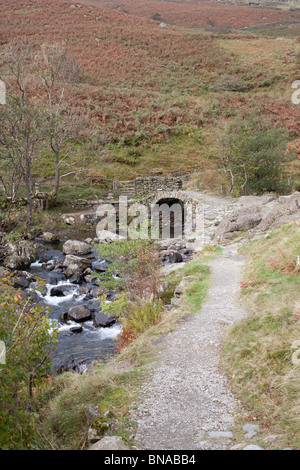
(20,256)
(110,443)
(256,214)
(102,430)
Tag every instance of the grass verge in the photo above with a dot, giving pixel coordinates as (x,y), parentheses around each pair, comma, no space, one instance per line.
(258,351)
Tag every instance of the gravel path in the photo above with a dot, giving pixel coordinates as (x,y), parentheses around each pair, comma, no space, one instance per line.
(187,399)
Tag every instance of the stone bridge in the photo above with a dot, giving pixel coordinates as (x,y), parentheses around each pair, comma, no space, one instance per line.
(88,216)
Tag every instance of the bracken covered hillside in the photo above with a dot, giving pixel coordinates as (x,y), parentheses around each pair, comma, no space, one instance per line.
(202,13)
(130,65)
(143,84)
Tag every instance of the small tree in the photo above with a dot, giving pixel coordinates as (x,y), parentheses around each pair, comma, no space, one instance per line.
(136,264)
(134,274)
(225,155)
(21,130)
(27,123)
(29,340)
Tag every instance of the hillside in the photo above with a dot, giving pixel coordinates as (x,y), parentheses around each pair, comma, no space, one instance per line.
(149,90)
(203,13)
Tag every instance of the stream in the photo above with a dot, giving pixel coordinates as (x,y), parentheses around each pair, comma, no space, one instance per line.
(87,340)
(91,343)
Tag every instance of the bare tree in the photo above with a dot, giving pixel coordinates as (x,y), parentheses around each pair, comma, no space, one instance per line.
(21,126)
(29,122)
(226,153)
(20,133)
(17,62)
(63,122)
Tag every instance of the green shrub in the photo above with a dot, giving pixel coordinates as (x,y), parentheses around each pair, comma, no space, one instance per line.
(29,340)
(254,157)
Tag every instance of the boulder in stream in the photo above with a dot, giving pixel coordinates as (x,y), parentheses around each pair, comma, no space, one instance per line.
(60,291)
(49,237)
(81,263)
(76,247)
(90,278)
(16,262)
(101,320)
(20,256)
(175,257)
(64,318)
(75,278)
(76,329)
(99,265)
(21,283)
(79,313)
(72,270)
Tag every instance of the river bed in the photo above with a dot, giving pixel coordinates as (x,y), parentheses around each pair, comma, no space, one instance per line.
(74,350)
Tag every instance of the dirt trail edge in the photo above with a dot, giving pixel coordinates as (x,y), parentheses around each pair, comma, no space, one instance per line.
(187,404)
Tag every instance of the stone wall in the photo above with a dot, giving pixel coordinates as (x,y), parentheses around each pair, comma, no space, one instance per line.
(143,186)
(150,184)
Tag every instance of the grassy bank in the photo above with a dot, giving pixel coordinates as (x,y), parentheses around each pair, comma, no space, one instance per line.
(114,386)
(258,350)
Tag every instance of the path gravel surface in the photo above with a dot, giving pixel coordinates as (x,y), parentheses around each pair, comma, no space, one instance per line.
(187,403)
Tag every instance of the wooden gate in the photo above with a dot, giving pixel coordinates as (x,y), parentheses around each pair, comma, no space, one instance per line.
(125,188)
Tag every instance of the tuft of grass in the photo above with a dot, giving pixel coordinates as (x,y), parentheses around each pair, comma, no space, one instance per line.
(197,273)
(140,315)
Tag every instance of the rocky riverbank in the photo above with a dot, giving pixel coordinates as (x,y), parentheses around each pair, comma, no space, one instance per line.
(63,276)
(71,272)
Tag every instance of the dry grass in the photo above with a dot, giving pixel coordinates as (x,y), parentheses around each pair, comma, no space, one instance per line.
(148,88)
(268,51)
(210,180)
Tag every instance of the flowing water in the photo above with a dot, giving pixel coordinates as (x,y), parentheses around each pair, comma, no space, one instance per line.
(74,349)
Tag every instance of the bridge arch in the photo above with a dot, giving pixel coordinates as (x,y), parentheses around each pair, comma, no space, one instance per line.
(171,209)
(179,195)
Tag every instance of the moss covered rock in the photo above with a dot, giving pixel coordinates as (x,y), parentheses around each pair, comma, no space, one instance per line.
(106,424)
